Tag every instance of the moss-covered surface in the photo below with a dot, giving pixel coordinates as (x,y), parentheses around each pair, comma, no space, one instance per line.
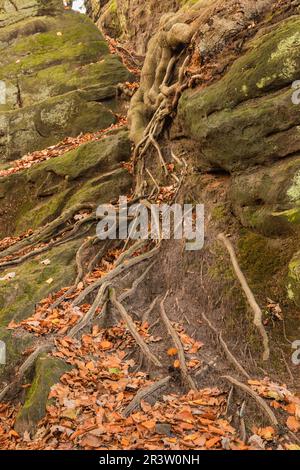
(57,70)
(267,199)
(248,116)
(16,343)
(91,173)
(48,371)
(33,281)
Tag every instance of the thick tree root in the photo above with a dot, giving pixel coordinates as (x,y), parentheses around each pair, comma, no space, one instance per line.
(176,340)
(154,389)
(249,295)
(125,266)
(50,230)
(260,402)
(132,328)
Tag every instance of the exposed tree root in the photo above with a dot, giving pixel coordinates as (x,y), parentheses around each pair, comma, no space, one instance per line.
(153,389)
(132,328)
(176,340)
(98,303)
(135,284)
(46,233)
(80,272)
(249,295)
(228,353)
(126,265)
(260,402)
(46,347)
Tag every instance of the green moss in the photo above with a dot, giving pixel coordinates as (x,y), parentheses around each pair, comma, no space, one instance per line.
(16,344)
(294,191)
(291,215)
(19,296)
(234,120)
(48,371)
(69,38)
(90,173)
(219,212)
(258,258)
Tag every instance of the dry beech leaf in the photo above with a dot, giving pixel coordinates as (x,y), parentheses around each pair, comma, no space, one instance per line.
(293,424)
(172,352)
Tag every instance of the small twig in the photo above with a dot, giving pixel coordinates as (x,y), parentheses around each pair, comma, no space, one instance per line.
(132,328)
(176,340)
(229,401)
(287,366)
(249,294)
(149,310)
(232,359)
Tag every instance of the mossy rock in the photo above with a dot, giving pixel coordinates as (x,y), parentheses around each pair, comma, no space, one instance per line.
(48,371)
(13,12)
(16,343)
(60,81)
(294,279)
(248,117)
(34,281)
(46,123)
(267,199)
(90,173)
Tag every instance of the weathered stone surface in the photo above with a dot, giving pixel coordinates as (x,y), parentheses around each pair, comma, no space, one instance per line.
(132,21)
(60,80)
(19,295)
(90,173)
(248,117)
(14,11)
(16,343)
(48,371)
(267,199)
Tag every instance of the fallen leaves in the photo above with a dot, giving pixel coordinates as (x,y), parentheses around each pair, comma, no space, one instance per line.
(69,143)
(293,424)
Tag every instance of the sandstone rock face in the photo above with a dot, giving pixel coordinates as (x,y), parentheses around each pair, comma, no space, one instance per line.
(247,124)
(58,72)
(135,21)
(59,81)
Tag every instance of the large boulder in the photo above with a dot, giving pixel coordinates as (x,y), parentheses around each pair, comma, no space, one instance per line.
(248,117)
(246,124)
(92,173)
(60,80)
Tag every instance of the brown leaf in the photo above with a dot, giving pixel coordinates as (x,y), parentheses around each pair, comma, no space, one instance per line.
(172,352)
(293,424)
(91,441)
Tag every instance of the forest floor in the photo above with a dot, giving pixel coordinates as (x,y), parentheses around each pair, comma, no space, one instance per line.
(152,371)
